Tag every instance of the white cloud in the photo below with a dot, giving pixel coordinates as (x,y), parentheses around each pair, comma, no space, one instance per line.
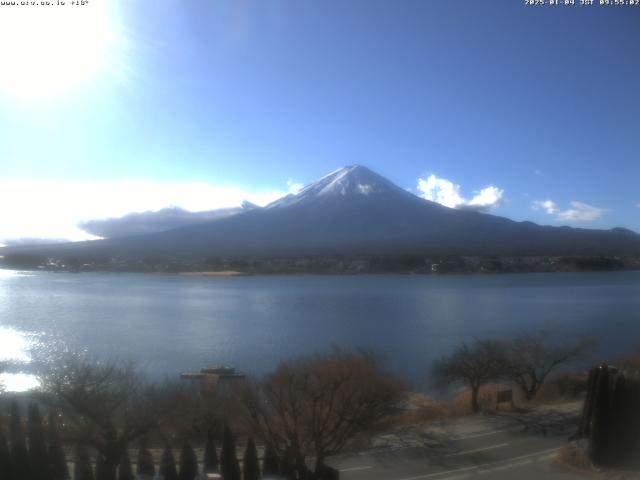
(577,211)
(548,206)
(447,193)
(581,212)
(39,209)
(440,190)
(294,187)
(487,197)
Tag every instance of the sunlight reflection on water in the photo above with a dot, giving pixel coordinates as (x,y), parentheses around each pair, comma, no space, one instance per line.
(14,346)
(13,273)
(169,324)
(14,350)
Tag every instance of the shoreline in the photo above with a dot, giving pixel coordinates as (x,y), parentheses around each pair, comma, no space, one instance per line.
(237,273)
(407,264)
(223,273)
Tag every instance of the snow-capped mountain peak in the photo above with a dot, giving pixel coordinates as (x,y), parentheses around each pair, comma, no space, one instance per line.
(353,180)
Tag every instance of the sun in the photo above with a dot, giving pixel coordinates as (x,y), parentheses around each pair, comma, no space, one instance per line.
(52,47)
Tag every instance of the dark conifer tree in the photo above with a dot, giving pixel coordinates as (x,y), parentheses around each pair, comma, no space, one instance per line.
(57,459)
(211,463)
(145,461)
(270,462)
(188,462)
(287,470)
(101,473)
(251,467)
(19,454)
(82,465)
(168,465)
(229,465)
(5,458)
(38,454)
(125,472)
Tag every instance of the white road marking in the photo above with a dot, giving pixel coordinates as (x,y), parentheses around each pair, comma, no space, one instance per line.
(500,465)
(355,469)
(395,448)
(466,452)
(499,468)
(485,434)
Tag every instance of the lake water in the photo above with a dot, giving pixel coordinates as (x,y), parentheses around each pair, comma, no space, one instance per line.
(171,324)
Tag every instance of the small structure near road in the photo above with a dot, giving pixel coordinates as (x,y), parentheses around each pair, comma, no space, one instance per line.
(504,396)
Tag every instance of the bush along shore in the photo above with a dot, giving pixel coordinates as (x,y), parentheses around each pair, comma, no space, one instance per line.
(105,421)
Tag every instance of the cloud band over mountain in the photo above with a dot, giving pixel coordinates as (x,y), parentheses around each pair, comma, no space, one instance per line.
(152,222)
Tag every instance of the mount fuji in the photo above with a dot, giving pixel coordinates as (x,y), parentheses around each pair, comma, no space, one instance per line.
(354,211)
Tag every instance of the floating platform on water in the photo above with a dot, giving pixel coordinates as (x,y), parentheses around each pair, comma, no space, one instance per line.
(213,373)
(219,370)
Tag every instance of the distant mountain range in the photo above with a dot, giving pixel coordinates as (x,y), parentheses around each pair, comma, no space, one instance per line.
(352,211)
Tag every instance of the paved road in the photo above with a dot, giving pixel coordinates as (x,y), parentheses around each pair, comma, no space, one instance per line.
(519,446)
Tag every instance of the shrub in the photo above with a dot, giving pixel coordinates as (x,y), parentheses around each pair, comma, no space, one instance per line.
(20,462)
(38,454)
(168,465)
(82,466)
(270,463)
(188,462)
(57,459)
(251,467)
(145,461)
(125,472)
(210,463)
(228,460)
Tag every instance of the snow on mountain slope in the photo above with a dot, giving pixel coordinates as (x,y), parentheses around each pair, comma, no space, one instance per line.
(351,181)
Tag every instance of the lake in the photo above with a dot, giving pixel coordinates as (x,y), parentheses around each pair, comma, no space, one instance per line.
(169,324)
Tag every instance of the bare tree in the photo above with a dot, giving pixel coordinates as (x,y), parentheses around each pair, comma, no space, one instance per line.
(473,365)
(314,406)
(108,405)
(193,412)
(534,355)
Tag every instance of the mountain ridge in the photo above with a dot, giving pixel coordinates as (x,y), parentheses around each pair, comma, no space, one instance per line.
(354,211)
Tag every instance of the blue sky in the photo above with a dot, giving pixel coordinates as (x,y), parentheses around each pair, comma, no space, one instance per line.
(531,112)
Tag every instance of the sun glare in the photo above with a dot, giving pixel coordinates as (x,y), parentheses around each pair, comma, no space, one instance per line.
(18,382)
(47,50)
